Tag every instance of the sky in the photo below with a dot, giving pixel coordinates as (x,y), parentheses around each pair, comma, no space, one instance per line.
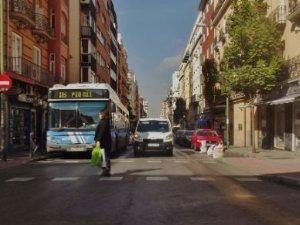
(155,34)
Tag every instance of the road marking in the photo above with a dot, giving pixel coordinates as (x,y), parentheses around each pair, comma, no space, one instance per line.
(180,161)
(248,179)
(202,179)
(71,161)
(207,162)
(154,161)
(20,179)
(157,178)
(125,161)
(111,178)
(65,179)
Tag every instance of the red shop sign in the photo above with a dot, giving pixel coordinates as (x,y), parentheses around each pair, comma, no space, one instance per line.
(5,82)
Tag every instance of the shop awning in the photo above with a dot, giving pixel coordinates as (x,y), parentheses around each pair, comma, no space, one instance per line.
(283,100)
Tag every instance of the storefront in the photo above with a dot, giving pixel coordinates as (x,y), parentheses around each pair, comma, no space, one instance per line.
(280,120)
(27,107)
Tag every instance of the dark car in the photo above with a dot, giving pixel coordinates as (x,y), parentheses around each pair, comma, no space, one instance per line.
(187,138)
(179,135)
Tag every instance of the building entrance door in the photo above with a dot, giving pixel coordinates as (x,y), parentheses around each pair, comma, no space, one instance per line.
(279,126)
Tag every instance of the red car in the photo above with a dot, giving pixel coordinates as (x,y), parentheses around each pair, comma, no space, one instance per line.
(210,136)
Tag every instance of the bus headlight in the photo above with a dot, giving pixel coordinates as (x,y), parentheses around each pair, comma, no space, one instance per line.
(137,137)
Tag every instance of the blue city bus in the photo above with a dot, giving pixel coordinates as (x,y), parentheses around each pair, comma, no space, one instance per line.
(73,117)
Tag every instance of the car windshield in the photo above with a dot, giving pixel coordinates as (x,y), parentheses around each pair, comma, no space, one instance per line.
(207,133)
(153,126)
(80,115)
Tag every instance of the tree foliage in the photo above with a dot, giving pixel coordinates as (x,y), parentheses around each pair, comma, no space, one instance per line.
(210,73)
(180,110)
(252,60)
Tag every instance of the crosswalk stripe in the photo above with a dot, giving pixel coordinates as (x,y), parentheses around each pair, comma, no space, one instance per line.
(154,161)
(20,179)
(157,178)
(202,179)
(248,179)
(111,178)
(65,179)
(180,161)
(125,161)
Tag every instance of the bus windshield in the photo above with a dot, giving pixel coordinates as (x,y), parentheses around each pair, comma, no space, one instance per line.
(75,115)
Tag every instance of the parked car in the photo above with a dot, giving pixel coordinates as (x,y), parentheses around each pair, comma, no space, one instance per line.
(153,134)
(179,137)
(187,138)
(210,136)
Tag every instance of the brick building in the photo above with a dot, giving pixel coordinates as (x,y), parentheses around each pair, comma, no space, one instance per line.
(32,37)
(94,48)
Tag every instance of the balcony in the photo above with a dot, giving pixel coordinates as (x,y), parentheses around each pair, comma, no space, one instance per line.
(88,32)
(278,16)
(294,10)
(293,66)
(89,5)
(25,70)
(22,12)
(89,60)
(42,30)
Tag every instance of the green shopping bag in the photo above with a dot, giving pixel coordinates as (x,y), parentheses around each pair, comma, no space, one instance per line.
(97,157)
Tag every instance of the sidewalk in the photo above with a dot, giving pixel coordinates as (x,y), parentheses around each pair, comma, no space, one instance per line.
(274,165)
(18,160)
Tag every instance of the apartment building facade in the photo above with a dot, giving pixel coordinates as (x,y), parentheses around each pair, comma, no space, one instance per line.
(94,48)
(30,37)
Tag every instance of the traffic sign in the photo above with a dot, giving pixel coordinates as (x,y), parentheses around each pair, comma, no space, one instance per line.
(5,82)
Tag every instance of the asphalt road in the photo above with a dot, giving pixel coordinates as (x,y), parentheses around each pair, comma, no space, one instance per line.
(185,189)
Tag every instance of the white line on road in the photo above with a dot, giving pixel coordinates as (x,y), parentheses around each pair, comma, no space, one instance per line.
(154,161)
(202,179)
(111,178)
(207,162)
(65,179)
(20,179)
(157,178)
(180,161)
(125,161)
(248,179)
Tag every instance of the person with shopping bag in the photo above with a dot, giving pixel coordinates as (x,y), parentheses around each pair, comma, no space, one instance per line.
(103,140)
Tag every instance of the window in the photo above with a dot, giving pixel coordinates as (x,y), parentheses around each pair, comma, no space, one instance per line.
(52,62)
(63,69)
(64,29)
(52,19)
(16,53)
(37,56)
(85,74)
(84,46)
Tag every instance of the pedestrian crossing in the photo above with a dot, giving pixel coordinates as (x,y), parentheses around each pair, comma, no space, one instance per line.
(124,178)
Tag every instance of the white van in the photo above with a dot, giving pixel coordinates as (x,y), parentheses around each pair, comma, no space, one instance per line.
(153,134)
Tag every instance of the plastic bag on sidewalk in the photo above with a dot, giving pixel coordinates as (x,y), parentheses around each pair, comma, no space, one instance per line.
(210,150)
(218,151)
(97,157)
(203,148)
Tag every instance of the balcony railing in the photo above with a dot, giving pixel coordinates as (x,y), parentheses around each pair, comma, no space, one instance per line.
(278,16)
(293,66)
(30,70)
(42,29)
(88,32)
(294,10)
(23,12)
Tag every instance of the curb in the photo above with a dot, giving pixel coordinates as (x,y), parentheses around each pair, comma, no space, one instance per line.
(285,180)
(38,158)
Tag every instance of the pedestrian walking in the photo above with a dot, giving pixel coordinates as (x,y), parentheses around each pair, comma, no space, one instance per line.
(103,140)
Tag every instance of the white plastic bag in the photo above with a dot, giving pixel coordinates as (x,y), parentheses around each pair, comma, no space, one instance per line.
(203,148)
(210,150)
(218,151)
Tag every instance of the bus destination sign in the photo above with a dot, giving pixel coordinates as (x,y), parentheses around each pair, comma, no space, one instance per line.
(78,94)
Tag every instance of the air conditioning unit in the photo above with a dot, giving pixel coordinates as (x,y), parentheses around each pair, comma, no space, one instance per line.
(85,1)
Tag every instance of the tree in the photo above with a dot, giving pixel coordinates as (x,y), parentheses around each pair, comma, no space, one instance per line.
(210,73)
(180,111)
(252,60)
